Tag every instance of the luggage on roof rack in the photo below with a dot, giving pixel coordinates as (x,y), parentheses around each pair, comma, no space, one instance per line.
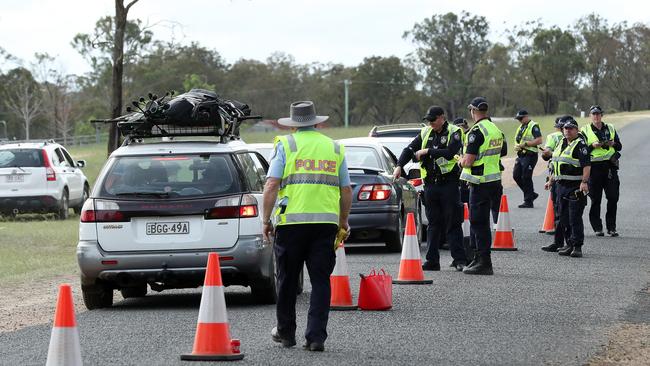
(195,113)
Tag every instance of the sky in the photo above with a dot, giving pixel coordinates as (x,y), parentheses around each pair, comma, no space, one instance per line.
(310,30)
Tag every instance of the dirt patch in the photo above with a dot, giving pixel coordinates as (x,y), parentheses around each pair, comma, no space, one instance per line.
(509,163)
(34,302)
(628,345)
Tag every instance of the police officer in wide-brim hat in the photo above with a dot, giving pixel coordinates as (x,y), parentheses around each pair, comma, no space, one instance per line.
(309,185)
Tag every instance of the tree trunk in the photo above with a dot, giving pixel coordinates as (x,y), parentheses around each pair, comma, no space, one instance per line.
(121,13)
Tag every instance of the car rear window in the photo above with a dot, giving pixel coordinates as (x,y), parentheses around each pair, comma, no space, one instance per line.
(171,176)
(361,157)
(24,158)
(395,147)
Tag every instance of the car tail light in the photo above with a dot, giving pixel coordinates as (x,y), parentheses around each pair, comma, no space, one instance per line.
(233,208)
(374,192)
(49,171)
(101,211)
(416,182)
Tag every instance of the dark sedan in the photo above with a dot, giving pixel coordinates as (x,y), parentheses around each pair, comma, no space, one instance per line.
(379,204)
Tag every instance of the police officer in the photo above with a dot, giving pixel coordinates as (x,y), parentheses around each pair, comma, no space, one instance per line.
(309,182)
(482,170)
(604,145)
(571,164)
(553,140)
(437,147)
(526,140)
(464,188)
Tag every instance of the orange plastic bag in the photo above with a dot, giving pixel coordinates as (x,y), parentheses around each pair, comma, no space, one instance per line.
(376,291)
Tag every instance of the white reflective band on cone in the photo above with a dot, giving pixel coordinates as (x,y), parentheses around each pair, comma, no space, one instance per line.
(64,347)
(503,223)
(341,266)
(411,249)
(213,305)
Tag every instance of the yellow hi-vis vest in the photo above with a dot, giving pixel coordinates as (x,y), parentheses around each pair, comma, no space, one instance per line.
(445,165)
(527,135)
(553,140)
(565,166)
(489,154)
(309,191)
(599,154)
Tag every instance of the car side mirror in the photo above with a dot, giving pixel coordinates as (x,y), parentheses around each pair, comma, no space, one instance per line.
(81,163)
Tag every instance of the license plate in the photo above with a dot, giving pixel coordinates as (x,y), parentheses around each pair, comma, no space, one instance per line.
(15,178)
(168,228)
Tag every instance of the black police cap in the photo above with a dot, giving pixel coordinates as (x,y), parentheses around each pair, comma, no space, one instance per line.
(569,122)
(460,121)
(521,114)
(479,103)
(559,121)
(433,113)
(595,109)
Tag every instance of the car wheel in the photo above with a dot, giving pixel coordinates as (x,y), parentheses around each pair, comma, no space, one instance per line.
(64,208)
(97,296)
(265,291)
(134,291)
(394,238)
(85,196)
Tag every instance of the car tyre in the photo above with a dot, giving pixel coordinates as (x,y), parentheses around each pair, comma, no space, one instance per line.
(64,206)
(85,196)
(134,291)
(97,296)
(394,238)
(266,291)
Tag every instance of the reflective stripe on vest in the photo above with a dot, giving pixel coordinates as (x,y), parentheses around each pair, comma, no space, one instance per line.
(445,165)
(599,154)
(527,135)
(565,157)
(309,190)
(489,154)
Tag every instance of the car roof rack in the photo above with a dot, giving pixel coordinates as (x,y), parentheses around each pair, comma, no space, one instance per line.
(195,113)
(397,126)
(30,141)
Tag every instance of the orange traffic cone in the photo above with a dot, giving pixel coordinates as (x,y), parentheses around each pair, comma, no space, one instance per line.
(504,237)
(64,343)
(549,218)
(341,298)
(212,340)
(466,220)
(410,267)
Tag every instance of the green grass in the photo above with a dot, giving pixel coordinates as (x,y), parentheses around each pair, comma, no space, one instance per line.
(34,246)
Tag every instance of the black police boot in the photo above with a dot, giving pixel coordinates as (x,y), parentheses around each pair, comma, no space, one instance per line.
(565,250)
(431,266)
(526,204)
(577,252)
(483,266)
(551,248)
(474,261)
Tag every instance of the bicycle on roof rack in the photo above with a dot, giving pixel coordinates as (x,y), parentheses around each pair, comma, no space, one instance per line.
(197,112)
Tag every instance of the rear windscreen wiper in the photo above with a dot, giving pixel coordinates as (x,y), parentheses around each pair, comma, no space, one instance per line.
(145,194)
(21,169)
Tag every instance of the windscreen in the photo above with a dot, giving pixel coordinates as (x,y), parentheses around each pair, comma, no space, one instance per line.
(171,176)
(361,157)
(23,158)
